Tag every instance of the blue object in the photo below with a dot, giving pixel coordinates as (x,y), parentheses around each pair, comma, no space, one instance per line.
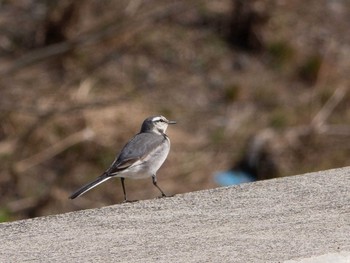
(232,177)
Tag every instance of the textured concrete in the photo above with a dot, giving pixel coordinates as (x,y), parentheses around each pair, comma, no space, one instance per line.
(269,221)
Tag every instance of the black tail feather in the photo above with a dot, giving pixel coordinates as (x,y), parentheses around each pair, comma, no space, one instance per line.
(89,186)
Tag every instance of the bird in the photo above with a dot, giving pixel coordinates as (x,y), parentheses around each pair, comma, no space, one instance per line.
(140,158)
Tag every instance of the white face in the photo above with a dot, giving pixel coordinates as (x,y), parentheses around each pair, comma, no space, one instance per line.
(160,124)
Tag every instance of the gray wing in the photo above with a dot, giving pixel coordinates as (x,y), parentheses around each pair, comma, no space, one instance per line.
(135,150)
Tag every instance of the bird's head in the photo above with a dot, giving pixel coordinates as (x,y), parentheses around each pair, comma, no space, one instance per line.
(157,124)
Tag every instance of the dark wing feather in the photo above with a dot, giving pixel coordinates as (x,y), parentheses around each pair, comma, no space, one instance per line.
(134,150)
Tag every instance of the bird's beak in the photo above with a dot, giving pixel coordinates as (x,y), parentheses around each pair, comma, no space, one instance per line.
(171,122)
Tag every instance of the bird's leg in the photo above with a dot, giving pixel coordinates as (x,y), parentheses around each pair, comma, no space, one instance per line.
(122,180)
(154,181)
(124,191)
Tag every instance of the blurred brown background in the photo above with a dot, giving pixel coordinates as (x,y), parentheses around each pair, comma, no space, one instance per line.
(77,78)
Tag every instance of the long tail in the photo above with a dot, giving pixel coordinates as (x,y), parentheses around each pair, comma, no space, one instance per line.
(89,186)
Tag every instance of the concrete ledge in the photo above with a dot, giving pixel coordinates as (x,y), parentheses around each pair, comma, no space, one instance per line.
(268,221)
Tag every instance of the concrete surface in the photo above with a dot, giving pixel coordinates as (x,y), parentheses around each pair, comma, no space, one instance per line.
(339,257)
(294,218)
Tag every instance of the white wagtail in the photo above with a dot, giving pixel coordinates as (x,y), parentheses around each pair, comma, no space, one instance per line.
(141,157)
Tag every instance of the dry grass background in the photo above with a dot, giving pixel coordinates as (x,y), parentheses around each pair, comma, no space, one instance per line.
(78,77)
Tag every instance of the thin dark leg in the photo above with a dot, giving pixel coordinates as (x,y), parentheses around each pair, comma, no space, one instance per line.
(122,180)
(154,181)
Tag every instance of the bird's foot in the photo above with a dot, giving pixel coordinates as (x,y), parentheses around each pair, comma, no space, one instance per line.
(164,195)
(129,201)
